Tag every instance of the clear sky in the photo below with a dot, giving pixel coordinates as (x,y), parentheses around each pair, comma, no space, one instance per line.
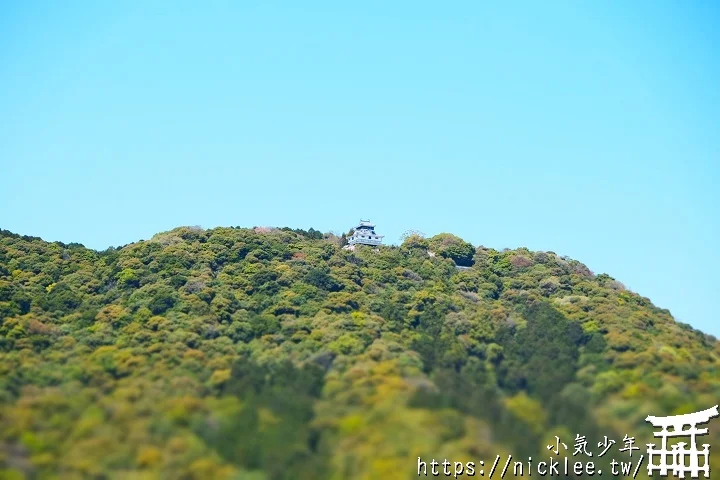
(591,129)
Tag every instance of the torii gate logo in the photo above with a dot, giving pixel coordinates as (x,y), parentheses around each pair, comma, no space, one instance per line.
(678,454)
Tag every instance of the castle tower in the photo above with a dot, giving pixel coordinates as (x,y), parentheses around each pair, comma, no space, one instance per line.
(364,234)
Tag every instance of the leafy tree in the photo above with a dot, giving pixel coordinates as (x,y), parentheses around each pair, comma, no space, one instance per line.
(323,280)
(542,356)
(455,248)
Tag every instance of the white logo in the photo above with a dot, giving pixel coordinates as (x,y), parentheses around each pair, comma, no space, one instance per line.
(682,460)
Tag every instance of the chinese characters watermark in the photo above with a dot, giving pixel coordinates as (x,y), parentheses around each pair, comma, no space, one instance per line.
(677,459)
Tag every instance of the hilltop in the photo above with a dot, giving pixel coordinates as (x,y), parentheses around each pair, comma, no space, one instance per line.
(275,353)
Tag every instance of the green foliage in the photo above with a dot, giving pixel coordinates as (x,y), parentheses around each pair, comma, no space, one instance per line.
(274,353)
(321,279)
(455,248)
(541,356)
(272,431)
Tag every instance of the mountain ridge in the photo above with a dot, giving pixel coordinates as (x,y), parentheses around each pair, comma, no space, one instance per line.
(181,344)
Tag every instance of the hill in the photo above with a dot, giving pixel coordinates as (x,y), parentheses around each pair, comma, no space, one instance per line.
(276,354)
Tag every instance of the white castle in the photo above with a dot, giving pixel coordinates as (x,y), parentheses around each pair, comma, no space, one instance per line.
(364,234)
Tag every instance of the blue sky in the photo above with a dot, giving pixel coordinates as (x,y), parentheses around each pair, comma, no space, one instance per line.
(591,129)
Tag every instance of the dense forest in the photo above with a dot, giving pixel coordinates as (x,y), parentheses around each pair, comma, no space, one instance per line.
(276,354)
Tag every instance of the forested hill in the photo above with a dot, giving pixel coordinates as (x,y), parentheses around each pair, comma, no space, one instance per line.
(276,354)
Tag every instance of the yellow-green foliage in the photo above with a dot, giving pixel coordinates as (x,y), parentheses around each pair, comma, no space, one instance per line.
(271,354)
